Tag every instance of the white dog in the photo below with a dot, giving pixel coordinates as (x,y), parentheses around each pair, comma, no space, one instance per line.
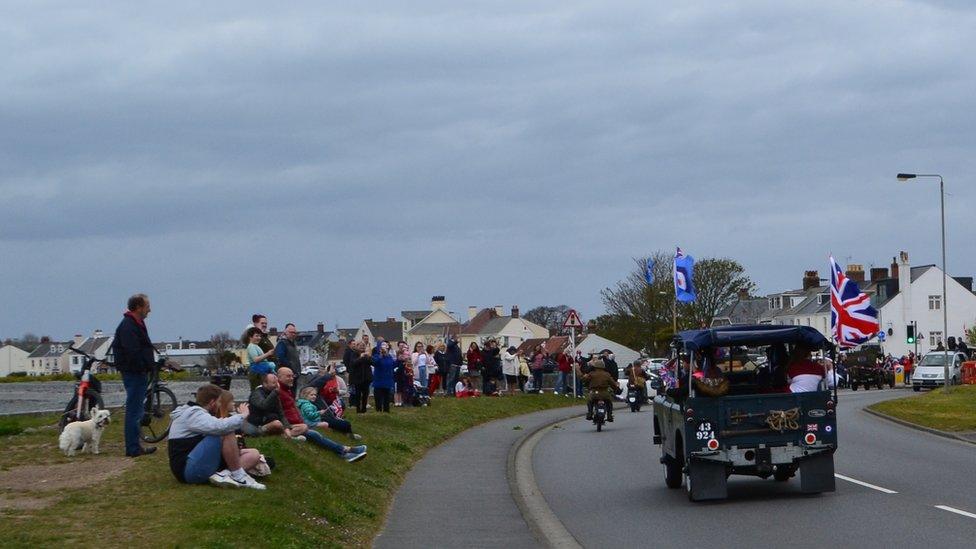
(84,434)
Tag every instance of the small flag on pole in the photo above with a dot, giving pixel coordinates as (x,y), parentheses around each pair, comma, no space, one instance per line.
(684,274)
(649,271)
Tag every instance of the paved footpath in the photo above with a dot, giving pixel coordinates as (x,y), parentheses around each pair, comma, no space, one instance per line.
(458,494)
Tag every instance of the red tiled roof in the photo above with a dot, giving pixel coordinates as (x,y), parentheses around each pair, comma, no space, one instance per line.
(475,325)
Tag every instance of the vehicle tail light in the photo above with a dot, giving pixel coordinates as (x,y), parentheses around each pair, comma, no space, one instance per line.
(810,438)
(712,444)
(830,403)
(689,412)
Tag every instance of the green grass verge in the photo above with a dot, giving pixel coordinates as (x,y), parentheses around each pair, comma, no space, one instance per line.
(955,411)
(313,498)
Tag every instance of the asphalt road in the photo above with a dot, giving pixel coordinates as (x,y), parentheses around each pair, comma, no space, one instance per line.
(608,489)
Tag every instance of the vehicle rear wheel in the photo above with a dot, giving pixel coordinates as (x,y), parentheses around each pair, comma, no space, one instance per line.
(155,424)
(672,472)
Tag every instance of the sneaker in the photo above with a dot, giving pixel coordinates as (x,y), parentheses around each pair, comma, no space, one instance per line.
(299,438)
(224,479)
(354,436)
(353,456)
(358,449)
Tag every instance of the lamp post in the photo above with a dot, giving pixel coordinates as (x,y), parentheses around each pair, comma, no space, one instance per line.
(945,274)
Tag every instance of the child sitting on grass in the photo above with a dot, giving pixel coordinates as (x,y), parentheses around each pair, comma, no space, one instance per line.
(323,419)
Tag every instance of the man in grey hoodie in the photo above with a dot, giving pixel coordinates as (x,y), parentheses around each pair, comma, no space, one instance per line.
(203,448)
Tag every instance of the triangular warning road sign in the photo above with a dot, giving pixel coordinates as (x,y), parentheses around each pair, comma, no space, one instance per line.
(573,320)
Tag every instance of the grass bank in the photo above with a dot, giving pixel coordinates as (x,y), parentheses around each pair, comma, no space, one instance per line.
(955,411)
(313,498)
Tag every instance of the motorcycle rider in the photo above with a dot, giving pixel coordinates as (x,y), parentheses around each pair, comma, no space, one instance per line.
(637,379)
(599,382)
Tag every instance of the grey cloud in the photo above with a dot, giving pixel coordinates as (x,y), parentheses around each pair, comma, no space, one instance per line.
(336,162)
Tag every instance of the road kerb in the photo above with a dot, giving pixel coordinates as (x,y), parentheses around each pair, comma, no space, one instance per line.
(916,426)
(543,523)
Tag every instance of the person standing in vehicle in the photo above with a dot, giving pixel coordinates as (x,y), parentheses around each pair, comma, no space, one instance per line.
(134,358)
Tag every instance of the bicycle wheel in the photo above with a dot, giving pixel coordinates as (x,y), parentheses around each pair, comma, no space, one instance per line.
(92,399)
(155,424)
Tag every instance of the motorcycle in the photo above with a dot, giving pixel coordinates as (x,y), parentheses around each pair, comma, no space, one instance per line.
(634,397)
(599,415)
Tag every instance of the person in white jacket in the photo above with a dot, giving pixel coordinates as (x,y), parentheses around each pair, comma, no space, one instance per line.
(202,445)
(510,367)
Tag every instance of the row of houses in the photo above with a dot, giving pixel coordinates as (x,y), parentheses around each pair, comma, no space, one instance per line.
(902,293)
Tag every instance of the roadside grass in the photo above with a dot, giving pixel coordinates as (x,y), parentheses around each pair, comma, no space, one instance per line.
(955,411)
(313,499)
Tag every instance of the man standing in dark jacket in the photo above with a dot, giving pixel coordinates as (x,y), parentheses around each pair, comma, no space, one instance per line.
(360,376)
(134,358)
(286,351)
(453,364)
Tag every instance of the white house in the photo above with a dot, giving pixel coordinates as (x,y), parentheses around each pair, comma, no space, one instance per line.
(918,298)
(48,358)
(12,359)
(98,345)
(490,323)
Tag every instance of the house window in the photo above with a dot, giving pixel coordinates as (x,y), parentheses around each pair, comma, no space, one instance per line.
(193,345)
(823,299)
(935,302)
(935,338)
(775,302)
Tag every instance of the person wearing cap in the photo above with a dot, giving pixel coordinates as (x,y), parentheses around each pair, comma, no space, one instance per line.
(599,383)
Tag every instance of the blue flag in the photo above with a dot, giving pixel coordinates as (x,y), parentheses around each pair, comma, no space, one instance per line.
(684,274)
(649,272)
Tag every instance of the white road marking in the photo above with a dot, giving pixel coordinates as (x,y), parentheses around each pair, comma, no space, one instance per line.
(865,484)
(956,511)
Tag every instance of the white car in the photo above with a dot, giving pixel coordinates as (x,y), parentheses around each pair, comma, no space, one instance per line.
(930,372)
(310,371)
(623,380)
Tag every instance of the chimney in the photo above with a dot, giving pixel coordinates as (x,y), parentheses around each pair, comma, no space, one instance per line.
(855,272)
(320,328)
(894,268)
(743,294)
(499,310)
(472,312)
(390,319)
(98,333)
(78,340)
(515,311)
(904,271)
(437,302)
(879,273)
(811,279)
(181,339)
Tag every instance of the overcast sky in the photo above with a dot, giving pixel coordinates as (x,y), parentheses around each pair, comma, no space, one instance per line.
(335,161)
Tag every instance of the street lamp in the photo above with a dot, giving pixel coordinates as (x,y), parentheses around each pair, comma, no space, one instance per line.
(945,274)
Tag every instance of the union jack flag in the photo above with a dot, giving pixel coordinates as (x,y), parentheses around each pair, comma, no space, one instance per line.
(853,320)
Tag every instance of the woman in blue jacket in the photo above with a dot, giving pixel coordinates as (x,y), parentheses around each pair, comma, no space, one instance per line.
(383,366)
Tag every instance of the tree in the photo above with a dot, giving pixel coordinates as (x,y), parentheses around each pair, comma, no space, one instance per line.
(551,318)
(647,313)
(29,342)
(971,336)
(222,354)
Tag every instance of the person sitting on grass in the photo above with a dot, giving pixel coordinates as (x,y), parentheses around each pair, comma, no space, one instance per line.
(267,415)
(203,448)
(286,379)
(465,389)
(313,417)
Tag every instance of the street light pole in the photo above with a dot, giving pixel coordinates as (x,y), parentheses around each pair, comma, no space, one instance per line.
(945,273)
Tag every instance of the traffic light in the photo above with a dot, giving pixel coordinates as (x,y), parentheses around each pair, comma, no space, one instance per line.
(910,330)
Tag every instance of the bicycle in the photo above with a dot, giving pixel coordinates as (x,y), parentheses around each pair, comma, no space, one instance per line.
(88,393)
(160,402)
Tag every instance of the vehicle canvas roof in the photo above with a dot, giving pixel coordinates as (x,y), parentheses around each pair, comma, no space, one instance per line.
(751,336)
